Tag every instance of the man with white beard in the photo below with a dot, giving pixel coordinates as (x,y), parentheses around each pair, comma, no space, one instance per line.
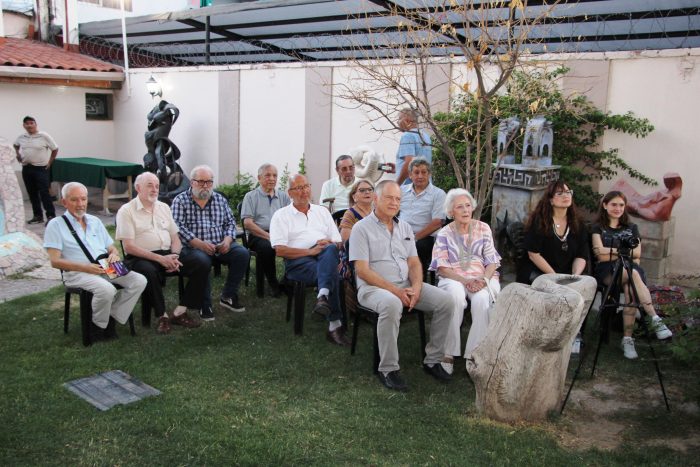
(67,239)
(152,247)
(208,232)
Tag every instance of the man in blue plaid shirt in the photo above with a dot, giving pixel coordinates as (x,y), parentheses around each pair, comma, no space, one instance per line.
(208,230)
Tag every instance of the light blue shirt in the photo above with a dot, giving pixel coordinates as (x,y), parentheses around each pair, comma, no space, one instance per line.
(413,144)
(419,209)
(95,238)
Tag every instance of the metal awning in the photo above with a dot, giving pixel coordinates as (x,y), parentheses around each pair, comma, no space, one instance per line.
(321,30)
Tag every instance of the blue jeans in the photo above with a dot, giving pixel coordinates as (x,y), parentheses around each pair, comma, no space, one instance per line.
(320,270)
(237,261)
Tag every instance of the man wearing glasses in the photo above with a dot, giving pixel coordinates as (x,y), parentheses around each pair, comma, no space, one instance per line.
(305,235)
(335,192)
(207,230)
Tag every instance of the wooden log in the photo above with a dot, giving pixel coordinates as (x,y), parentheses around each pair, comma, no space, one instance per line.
(520,367)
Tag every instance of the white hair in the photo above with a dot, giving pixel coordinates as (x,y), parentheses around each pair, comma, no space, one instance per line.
(194,171)
(452,195)
(142,176)
(69,186)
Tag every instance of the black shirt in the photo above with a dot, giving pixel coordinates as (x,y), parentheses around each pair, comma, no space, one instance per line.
(607,233)
(560,257)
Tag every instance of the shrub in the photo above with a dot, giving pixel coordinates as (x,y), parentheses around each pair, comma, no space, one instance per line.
(235,192)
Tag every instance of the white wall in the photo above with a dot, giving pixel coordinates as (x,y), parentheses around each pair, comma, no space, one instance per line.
(272,118)
(88,12)
(15,25)
(667,92)
(60,111)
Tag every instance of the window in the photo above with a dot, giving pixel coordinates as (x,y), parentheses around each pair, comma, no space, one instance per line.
(115,4)
(98,106)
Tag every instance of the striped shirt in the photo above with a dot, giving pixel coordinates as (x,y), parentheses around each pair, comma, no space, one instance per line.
(210,224)
(469,261)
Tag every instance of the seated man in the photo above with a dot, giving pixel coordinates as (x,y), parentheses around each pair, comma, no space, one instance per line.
(305,235)
(258,207)
(66,253)
(152,247)
(389,279)
(207,231)
(338,188)
(422,207)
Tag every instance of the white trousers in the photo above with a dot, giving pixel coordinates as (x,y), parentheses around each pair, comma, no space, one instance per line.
(480,302)
(106,299)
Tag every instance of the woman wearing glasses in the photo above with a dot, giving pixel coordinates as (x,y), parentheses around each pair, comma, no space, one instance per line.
(613,222)
(555,238)
(360,202)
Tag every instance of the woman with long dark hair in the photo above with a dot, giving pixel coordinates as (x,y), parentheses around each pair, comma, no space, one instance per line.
(613,223)
(555,238)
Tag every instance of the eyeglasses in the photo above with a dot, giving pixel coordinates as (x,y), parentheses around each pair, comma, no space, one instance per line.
(203,182)
(564,193)
(301,187)
(366,190)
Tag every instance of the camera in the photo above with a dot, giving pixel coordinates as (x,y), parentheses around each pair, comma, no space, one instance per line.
(625,242)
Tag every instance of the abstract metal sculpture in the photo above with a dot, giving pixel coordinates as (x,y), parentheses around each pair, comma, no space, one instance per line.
(163,153)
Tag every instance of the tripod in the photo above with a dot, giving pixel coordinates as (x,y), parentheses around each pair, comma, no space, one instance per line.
(608,306)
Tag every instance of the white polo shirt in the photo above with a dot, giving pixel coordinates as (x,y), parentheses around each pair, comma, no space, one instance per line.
(292,228)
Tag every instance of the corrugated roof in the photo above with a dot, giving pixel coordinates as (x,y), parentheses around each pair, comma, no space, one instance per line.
(34,54)
(317,30)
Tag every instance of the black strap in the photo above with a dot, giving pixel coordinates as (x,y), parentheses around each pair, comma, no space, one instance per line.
(77,239)
(356,214)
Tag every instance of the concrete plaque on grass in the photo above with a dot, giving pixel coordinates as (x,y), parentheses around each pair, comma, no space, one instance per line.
(105,390)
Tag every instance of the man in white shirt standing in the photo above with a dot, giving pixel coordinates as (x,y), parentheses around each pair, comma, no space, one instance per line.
(36,151)
(335,192)
(305,235)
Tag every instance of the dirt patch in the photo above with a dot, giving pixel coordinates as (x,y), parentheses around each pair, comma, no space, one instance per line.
(597,416)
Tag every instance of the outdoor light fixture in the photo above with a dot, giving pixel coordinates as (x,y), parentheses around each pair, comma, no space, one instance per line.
(153,87)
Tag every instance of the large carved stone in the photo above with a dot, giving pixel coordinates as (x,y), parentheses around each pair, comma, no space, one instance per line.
(520,367)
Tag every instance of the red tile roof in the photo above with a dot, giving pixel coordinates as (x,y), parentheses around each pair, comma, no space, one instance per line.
(24,52)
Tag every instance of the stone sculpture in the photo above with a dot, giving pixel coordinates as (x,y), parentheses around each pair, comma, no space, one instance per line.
(369,164)
(20,250)
(656,206)
(163,153)
(537,145)
(520,367)
(506,135)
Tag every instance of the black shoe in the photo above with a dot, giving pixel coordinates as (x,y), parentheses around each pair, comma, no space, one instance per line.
(275,291)
(35,220)
(232,304)
(322,307)
(437,372)
(48,218)
(393,381)
(110,331)
(206,314)
(97,334)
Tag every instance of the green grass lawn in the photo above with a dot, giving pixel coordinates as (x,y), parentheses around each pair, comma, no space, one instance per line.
(244,390)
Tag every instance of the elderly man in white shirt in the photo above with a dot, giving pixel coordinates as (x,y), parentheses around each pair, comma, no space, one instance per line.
(336,191)
(305,235)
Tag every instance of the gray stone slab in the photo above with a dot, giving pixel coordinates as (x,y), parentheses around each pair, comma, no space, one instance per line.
(105,390)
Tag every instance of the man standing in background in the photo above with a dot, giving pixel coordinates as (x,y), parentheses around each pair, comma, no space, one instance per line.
(414,143)
(36,151)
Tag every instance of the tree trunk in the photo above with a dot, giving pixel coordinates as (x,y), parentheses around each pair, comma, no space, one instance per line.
(520,367)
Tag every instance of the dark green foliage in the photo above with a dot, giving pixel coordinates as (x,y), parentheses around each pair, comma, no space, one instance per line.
(684,320)
(235,192)
(578,127)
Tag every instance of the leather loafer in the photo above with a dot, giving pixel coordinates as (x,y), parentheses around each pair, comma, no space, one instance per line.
(36,220)
(338,337)
(437,372)
(393,381)
(184,321)
(322,307)
(163,325)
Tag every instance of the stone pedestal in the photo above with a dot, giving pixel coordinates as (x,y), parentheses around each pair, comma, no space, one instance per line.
(657,243)
(517,190)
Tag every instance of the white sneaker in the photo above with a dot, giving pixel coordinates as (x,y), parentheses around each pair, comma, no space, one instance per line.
(662,331)
(627,346)
(576,346)
(448,367)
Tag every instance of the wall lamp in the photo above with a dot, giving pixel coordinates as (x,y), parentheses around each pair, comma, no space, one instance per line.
(153,87)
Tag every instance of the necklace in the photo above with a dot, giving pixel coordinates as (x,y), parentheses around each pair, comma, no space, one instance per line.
(562,238)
